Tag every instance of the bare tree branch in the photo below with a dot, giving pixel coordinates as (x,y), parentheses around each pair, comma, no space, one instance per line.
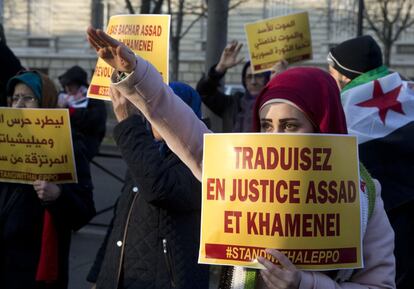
(398,13)
(145,6)
(373,27)
(169,7)
(389,19)
(129,7)
(158,6)
(2,35)
(238,3)
(406,23)
(179,9)
(192,24)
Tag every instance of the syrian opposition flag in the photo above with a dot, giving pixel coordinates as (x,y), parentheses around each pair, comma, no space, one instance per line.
(381,114)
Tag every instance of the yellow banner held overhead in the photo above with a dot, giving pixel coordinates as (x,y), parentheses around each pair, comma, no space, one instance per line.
(296,193)
(271,40)
(36,144)
(147,35)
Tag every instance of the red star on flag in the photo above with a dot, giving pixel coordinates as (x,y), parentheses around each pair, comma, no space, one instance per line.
(384,101)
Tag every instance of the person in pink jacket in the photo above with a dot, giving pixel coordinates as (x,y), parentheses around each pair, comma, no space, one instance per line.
(302,100)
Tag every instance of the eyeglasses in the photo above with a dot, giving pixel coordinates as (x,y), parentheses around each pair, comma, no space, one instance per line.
(24,98)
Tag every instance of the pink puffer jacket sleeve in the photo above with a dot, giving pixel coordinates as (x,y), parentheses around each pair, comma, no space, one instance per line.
(173,119)
(379,261)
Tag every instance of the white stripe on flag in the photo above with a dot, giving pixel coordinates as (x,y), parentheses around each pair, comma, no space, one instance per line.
(365,122)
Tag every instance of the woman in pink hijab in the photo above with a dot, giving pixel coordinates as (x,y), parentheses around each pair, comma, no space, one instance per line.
(302,100)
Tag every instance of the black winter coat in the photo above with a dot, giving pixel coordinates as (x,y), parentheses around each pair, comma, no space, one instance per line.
(90,122)
(225,106)
(21,221)
(154,238)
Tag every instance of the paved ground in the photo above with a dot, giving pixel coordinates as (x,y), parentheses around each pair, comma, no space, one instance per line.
(87,241)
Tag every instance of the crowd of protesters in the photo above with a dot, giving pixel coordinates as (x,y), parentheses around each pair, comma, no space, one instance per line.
(37,220)
(153,238)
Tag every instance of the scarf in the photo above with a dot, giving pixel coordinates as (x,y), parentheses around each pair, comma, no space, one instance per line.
(243,121)
(367,77)
(316,94)
(313,91)
(48,266)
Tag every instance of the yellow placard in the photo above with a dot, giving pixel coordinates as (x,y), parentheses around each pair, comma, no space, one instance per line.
(147,35)
(271,40)
(295,193)
(36,144)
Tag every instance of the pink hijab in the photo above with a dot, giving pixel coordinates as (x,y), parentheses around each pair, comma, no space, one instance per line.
(313,91)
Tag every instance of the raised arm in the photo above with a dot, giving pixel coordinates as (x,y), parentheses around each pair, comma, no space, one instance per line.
(167,113)
(209,85)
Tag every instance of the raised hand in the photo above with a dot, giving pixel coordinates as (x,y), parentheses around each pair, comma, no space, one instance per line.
(113,52)
(283,276)
(278,68)
(229,56)
(46,191)
(123,108)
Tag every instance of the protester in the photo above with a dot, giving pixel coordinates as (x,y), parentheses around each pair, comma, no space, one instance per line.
(377,106)
(87,115)
(36,220)
(235,109)
(153,238)
(10,65)
(309,99)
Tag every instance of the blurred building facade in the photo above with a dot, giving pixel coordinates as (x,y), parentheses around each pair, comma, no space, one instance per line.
(50,34)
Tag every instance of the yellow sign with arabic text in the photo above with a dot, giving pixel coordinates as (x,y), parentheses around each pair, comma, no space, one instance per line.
(298,193)
(147,35)
(36,144)
(271,40)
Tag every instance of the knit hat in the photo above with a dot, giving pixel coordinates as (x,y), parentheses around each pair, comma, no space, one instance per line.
(31,79)
(355,56)
(42,86)
(310,89)
(75,74)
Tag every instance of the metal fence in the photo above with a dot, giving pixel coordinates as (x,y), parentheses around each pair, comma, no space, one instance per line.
(110,174)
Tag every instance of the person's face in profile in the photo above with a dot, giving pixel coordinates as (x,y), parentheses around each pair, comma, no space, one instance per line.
(71,88)
(23,97)
(341,80)
(254,82)
(284,118)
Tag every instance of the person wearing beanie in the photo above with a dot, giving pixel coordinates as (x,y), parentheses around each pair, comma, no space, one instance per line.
(153,238)
(355,59)
(75,75)
(235,109)
(87,115)
(377,106)
(299,100)
(36,221)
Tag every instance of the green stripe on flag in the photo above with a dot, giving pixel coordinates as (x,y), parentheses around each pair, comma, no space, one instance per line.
(251,276)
